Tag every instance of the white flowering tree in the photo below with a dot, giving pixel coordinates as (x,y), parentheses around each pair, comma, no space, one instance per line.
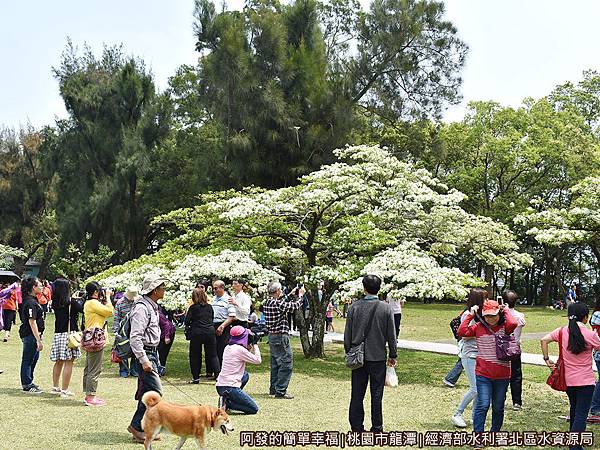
(7,253)
(184,271)
(368,211)
(578,223)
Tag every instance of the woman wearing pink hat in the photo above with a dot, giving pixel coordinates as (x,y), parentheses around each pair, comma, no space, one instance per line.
(492,375)
(233,376)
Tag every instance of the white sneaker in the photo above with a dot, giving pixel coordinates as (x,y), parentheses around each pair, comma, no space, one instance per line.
(448,383)
(458,421)
(55,390)
(65,394)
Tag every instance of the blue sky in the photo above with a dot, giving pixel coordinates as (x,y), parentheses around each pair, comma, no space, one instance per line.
(518,48)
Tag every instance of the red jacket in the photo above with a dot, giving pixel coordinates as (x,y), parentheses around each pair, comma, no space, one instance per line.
(487,365)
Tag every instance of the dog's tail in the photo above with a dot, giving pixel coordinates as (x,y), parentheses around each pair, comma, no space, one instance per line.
(150,399)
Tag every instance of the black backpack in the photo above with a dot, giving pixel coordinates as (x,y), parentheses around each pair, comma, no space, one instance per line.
(454,324)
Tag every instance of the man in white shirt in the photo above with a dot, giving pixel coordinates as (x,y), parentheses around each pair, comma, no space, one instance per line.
(516,377)
(242,303)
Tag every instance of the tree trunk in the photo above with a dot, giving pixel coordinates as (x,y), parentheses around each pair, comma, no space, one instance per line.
(489,277)
(529,283)
(313,347)
(546,289)
(537,275)
(45,262)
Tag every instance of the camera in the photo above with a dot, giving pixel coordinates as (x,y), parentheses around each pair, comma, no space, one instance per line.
(257,331)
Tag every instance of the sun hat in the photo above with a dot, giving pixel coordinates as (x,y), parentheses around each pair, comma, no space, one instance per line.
(239,335)
(151,282)
(490,308)
(131,293)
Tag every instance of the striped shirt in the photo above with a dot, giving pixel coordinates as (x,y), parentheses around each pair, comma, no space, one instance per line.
(487,364)
(276,312)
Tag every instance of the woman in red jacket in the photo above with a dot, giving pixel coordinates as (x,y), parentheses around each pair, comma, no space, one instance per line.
(492,375)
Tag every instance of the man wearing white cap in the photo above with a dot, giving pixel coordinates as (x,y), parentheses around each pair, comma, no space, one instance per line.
(122,308)
(144,340)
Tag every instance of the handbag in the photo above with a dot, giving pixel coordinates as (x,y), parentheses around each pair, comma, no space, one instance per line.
(114,357)
(355,357)
(74,339)
(93,339)
(556,380)
(507,347)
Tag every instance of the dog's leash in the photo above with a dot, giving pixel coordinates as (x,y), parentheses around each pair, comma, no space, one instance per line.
(176,387)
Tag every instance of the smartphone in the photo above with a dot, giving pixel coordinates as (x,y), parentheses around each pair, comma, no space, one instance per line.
(500,300)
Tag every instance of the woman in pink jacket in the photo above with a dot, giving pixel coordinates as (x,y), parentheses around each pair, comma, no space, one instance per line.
(233,376)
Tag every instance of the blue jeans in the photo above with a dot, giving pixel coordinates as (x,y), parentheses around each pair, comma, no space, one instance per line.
(471,394)
(580,398)
(455,372)
(147,381)
(28,360)
(236,399)
(124,368)
(595,409)
(281,363)
(489,391)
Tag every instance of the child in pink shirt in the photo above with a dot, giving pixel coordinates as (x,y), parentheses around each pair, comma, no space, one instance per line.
(577,343)
(233,376)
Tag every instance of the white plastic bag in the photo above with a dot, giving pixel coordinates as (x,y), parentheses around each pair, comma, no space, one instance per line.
(391,379)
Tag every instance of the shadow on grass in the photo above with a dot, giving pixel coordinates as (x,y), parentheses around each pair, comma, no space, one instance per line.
(110,438)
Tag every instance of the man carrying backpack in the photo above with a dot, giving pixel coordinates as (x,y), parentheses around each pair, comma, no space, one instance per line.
(144,339)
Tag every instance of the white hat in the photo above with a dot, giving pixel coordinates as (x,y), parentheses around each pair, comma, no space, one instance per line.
(131,293)
(151,282)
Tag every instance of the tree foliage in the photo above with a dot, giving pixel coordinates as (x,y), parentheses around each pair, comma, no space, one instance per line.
(283,83)
(100,154)
(363,209)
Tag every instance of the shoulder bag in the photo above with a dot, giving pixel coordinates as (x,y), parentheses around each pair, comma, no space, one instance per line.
(93,339)
(556,380)
(355,357)
(507,347)
(74,337)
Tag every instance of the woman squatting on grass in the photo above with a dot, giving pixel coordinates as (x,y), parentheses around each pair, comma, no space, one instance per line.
(577,343)
(492,375)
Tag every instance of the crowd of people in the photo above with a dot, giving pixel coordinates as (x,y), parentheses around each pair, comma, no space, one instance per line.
(226,330)
(219,327)
(484,321)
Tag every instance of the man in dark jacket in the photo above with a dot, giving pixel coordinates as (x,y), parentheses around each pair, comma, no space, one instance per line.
(382,330)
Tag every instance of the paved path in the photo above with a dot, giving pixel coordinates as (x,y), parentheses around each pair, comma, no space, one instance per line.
(436,347)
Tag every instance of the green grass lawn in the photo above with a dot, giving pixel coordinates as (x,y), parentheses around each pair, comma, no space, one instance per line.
(321,387)
(431,323)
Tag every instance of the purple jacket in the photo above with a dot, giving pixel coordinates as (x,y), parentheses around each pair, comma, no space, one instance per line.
(4,295)
(167,329)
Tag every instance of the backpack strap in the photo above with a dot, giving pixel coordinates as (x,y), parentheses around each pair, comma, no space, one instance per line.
(148,307)
(370,322)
